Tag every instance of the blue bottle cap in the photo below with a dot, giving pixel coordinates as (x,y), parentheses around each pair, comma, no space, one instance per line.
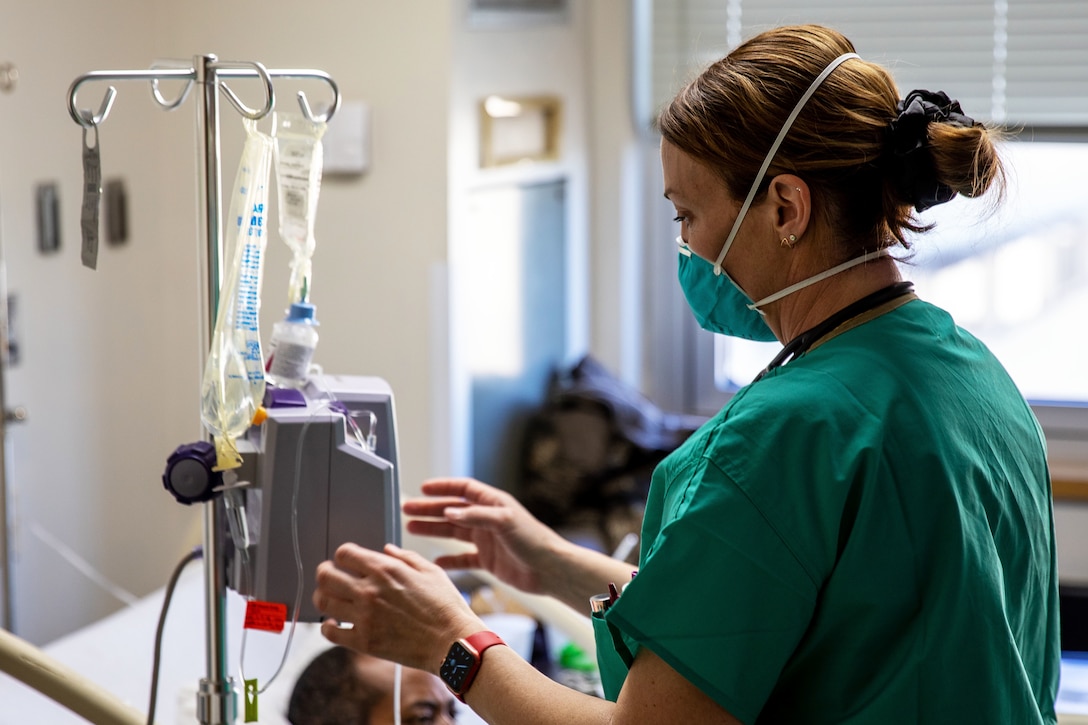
(301,312)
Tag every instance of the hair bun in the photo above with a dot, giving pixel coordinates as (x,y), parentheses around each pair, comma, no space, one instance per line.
(913,171)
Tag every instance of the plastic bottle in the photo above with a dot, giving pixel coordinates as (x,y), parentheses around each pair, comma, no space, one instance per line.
(294,339)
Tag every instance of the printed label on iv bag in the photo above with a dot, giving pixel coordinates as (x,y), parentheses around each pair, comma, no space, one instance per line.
(298,157)
(247,312)
(92,195)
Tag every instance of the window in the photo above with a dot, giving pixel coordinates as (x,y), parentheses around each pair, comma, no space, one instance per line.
(1016,279)
(1018,61)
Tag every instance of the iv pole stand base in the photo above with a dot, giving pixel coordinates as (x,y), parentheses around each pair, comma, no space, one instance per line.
(213,700)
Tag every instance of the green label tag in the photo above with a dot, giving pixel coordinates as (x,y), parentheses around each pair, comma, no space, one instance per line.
(251,701)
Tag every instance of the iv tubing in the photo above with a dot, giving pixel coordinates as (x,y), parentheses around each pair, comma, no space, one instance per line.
(325,405)
(398,669)
(297,551)
(398,672)
(62,684)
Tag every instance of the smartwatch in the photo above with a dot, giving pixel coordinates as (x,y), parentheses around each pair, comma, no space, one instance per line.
(463,661)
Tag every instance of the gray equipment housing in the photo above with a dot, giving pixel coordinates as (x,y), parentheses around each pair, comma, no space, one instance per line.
(345,491)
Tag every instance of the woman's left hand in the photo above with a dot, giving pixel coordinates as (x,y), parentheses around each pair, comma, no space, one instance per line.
(401,607)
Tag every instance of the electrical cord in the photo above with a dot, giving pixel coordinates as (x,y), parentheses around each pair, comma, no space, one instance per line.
(196,553)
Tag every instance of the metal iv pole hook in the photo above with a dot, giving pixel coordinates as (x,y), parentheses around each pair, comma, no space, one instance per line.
(87,119)
(169,105)
(270,93)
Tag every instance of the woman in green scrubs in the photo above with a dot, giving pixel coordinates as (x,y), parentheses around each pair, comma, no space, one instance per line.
(864,533)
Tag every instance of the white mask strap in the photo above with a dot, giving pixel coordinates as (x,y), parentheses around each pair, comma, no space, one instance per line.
(774,149)
(819,277)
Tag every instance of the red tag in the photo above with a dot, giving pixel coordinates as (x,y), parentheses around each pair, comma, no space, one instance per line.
(267,616)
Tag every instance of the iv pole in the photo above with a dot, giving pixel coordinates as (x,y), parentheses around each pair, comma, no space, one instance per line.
(215,701)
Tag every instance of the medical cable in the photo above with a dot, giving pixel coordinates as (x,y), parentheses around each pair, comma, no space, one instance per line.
(193,555)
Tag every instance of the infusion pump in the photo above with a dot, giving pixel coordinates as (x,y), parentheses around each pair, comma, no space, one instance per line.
(320,471)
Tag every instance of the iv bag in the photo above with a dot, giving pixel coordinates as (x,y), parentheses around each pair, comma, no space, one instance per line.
(299,156)
(233,385)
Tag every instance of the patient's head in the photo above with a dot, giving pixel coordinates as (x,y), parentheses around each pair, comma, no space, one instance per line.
(343,687)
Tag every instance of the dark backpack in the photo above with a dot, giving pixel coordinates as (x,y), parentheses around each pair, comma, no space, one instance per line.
(589,452)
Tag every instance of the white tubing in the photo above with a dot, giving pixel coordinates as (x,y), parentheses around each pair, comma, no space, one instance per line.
(57,681)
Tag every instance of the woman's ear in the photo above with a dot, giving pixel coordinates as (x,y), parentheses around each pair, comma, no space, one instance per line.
(792,206)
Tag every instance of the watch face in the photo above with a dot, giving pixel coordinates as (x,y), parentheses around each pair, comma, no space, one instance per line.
(458,664)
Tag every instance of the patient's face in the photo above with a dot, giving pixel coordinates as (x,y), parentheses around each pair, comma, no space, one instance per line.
(424,700)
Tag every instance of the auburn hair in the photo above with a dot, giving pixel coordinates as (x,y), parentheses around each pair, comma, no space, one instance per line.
(730,114)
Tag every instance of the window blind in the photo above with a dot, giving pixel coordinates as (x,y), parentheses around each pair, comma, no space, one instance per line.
(1016,62)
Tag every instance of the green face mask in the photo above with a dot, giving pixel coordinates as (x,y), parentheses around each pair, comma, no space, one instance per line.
(717,302)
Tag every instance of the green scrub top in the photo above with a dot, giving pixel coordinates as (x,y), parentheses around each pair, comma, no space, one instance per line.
(863,536)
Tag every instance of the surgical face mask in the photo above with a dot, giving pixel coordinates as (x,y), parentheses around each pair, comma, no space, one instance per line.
(718,302)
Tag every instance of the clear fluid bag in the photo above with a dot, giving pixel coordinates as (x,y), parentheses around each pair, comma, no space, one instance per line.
(299,156)
(234,381)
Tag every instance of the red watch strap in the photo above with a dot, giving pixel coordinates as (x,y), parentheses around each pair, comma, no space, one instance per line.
(478,642)
(482,640)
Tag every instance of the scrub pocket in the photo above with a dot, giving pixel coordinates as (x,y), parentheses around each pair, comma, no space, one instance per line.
(613,656)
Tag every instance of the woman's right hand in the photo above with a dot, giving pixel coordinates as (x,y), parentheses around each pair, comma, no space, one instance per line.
(510,543)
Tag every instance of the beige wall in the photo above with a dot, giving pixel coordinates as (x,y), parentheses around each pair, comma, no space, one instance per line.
(106,354)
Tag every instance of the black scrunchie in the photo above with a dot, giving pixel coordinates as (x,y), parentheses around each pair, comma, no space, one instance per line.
(911,164)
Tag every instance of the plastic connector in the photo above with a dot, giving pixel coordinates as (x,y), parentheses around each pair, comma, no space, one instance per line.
(260,416)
